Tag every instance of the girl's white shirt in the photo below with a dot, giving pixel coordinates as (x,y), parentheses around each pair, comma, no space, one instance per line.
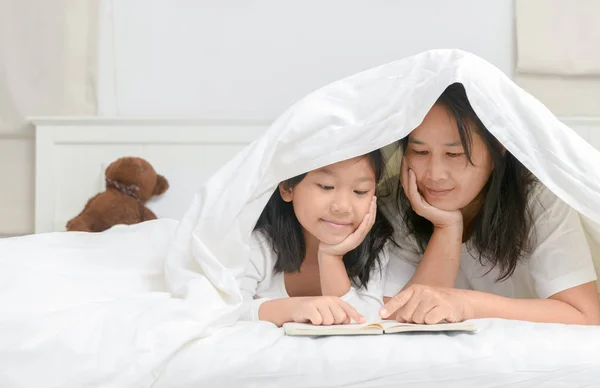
(262,283)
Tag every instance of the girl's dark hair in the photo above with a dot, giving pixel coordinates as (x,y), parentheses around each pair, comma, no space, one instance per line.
(500,230)
(278,222)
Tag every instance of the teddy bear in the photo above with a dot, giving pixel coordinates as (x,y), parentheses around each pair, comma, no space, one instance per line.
(130,183)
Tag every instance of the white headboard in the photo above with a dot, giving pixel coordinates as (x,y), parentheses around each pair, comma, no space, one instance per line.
(72,154)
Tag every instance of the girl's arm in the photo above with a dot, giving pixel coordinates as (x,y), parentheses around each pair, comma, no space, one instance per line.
(319,310)
(333,275)
(278,311)
(367,300)
(259,275)
(332,271)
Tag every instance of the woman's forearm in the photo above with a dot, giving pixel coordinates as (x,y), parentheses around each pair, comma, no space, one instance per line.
(441,260)
(485,305)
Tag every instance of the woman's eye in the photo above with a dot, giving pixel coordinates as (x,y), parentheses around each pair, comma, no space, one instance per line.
(361,192)
(455,154)
(420,152)
(325,187)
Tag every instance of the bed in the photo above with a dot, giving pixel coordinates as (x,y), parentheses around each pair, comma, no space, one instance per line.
(72,154)
(503,353)
(97,312)
(133,334)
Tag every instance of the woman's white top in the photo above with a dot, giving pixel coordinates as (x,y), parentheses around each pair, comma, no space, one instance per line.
(560,256)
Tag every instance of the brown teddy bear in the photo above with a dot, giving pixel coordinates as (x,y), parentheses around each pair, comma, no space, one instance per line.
(130,183)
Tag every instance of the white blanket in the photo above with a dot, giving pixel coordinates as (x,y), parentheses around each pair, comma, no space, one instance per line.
(81,310)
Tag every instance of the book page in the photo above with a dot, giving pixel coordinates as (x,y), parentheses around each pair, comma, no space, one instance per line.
(393,326)
(310,326)
(306,329)
(381,327)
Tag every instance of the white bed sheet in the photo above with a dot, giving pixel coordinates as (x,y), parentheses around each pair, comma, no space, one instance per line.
(90,310)
(503,353)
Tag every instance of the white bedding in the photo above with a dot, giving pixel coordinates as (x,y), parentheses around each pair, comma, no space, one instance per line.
(77,309)
(90,313)
(156,304)
(503,353)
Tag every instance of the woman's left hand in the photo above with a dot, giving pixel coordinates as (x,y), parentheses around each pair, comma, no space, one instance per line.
(429,305)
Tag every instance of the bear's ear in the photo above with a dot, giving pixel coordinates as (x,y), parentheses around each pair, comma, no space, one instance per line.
(161,185)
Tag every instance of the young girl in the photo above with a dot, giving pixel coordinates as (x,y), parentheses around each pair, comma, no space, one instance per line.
(317,250)
(471,216)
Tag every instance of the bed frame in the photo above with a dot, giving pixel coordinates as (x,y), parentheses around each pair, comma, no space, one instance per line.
(72,154)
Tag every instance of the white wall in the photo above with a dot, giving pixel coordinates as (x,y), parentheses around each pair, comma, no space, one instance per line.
(251,60)
(47,67)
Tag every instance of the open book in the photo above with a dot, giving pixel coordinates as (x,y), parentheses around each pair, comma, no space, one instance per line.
(381,327)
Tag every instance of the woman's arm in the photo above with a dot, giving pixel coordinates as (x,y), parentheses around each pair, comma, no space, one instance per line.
(577,305)
(424,304)
(441,261)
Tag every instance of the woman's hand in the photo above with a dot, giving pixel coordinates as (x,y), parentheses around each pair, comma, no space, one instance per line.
(429,305)
(354,239)
(325,310)
(439,218)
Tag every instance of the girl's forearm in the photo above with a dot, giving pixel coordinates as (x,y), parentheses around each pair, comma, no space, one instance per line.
(278,311)
(333,275)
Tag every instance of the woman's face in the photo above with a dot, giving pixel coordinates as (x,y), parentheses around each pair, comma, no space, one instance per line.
(445,178)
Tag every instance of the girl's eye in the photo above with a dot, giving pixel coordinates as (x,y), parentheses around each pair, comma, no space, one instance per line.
(420,152)
(455,155)
(361,192)
(325,187)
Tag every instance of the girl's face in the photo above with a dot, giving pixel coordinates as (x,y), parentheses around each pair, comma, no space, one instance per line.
(445,178)
(331,202)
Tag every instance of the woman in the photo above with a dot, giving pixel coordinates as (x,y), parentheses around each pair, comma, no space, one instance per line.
(485,239)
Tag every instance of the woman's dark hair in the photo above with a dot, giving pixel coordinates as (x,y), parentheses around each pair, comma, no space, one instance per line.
(278,222)
(500,230)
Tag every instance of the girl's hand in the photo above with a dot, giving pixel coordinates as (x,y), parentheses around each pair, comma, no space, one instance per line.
(429,305)
(325,310)
(354,239)
(439,218)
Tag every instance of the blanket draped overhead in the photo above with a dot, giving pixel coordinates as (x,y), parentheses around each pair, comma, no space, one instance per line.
(95,310)
(351,117)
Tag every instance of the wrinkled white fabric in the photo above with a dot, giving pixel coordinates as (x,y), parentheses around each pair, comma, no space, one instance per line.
(79,310)
(354,116)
